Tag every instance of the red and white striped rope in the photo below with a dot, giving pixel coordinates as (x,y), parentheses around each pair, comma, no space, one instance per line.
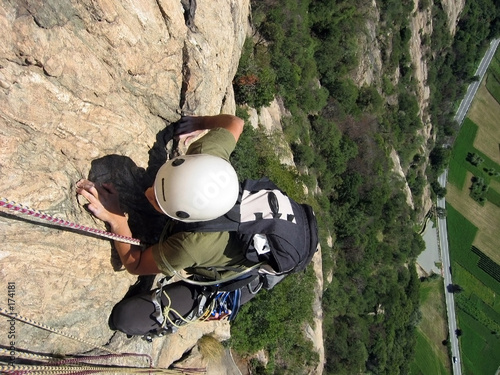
(4,202)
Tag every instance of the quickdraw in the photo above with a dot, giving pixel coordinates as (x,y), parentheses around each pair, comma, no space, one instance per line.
(6,203)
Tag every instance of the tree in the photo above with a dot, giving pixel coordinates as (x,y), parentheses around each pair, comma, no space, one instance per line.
(346,93)
(490,171)
(441,212)
(478,189)
(369,99)
(439,190)
(474,158)
(454,288)
(439,158)
(303,154)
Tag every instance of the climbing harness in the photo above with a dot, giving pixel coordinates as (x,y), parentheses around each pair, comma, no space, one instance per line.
(212,305)
(6,203)
(169,324)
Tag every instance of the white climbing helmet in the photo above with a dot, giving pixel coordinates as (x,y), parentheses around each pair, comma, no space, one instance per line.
(196,187)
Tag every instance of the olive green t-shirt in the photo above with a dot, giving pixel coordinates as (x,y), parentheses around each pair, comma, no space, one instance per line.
(187,250)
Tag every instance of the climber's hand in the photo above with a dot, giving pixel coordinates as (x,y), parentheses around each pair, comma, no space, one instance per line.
(188,127)
(104,201)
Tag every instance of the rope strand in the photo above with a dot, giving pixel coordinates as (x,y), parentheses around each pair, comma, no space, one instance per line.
(40,369)
(74,365)
(13,206)
(23,319)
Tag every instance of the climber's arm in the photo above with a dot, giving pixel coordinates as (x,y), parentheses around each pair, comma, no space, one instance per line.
(105,205)
(190,126)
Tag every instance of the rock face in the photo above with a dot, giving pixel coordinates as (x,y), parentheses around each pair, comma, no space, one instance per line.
(87,89)
(369,69)
(269,119)
(421,25)
(368,72)
(453,8)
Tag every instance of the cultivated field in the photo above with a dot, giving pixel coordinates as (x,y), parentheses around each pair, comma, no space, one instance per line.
(480,349)
(426,362)
(474,231)
(485,111)
(486,218)
(431,355)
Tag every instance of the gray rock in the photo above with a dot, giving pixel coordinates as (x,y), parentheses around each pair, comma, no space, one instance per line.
(86,90)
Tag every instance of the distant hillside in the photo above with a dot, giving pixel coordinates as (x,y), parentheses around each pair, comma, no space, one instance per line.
(389,76)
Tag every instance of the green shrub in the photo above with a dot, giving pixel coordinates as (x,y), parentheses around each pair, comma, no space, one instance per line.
(478,190)
(255,80)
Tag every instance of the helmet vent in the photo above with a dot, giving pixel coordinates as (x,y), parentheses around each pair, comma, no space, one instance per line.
(182,215)
(163,188)
(177,162)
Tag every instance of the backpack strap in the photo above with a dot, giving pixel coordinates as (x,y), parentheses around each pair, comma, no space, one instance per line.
(225,223)
(263,183)
(239,283)
(229,222)
(312,230)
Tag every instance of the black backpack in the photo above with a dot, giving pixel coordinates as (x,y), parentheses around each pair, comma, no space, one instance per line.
(291,239)
(263,209)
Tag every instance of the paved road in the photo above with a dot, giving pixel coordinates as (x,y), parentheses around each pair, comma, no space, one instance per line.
(473,87)
(443,234)
(447,273)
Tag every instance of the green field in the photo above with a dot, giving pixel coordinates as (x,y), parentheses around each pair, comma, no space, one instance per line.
(479,304)
(426,362)
(473,231)
(493,79)
(461,234)
(474,286)
(479,346)
(459,165)
(431,356)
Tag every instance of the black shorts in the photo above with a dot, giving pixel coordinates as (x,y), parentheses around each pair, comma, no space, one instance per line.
(134,315)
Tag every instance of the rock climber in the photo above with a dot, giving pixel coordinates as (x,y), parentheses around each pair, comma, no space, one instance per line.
(273,232)
(205,186)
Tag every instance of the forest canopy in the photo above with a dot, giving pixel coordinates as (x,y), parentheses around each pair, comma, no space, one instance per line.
(341,135)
